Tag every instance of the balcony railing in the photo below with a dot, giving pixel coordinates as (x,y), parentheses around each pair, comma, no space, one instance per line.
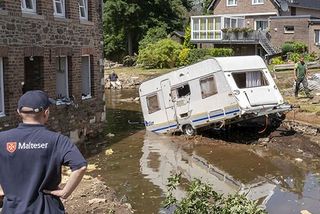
(231,34)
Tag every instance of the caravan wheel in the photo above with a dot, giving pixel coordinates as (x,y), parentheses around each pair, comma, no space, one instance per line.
(189,130)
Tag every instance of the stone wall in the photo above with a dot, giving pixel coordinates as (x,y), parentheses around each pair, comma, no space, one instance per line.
(44,35)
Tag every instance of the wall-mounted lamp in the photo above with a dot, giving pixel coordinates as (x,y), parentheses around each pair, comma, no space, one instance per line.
(31,58)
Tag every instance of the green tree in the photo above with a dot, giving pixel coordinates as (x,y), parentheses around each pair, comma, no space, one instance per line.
(127,21)
(187,38)
(153,35)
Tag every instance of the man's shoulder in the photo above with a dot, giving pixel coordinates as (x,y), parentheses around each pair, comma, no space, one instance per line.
(8,132)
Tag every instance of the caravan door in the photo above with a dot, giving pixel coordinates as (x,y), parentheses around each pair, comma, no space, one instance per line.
(168,104)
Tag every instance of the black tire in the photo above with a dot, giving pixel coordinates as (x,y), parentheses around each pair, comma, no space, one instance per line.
(189,130)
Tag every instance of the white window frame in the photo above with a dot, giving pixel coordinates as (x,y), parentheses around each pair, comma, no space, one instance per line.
(66,76)
(63,8)
(85,6)
(2,113)
(255,2)
(286,31)
(317,31)
(29,10)
(89,75)
(232,4)
(261,20)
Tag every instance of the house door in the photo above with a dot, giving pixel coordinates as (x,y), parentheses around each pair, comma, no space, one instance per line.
(33,73)
(168,104)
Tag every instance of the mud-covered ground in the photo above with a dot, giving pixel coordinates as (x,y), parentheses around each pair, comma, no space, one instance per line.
(93,196)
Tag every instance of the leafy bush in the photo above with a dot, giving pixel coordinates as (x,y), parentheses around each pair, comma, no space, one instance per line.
(129,60)
(294,57)
(311,57)
(153,35)
(162,54)
(196,55)
(183,56)
(294,47)
(201,198)
(277,60)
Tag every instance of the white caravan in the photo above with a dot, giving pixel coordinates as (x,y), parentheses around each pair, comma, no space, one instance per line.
(214,92)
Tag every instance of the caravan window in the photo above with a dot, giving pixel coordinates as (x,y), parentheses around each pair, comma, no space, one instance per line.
(250,79)
(153,103)
(182,91)
(208,87)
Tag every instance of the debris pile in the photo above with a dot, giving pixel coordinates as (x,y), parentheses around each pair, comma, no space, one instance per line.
(314,82)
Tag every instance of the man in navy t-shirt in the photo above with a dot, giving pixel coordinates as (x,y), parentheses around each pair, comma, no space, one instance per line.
(31,158)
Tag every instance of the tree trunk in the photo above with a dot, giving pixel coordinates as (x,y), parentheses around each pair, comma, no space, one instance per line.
(130,48)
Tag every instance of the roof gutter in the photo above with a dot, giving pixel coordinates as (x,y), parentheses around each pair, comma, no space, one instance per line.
(210,6)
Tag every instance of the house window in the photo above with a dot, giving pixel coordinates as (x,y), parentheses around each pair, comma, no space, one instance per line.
(231,2)
(62,89)
(153,104)
(317,37)
(86,77)
(208,87)
(250,79)
(29,6)
(261,25)
(289,29)
(257,1)
(83,9)
(1,89)
(59,8)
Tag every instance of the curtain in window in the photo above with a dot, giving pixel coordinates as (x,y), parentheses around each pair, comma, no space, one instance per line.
(253,79)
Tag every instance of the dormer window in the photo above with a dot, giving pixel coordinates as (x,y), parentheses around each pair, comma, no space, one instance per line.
(59,8)
(257,1)
(83,9)
(29,6)
(231,2)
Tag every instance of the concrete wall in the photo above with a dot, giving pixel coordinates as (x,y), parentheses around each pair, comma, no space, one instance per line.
(23,35)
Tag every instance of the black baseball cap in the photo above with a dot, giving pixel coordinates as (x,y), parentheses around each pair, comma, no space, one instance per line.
(37,100)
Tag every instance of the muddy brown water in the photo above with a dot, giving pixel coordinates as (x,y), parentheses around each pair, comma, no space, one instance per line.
(142,161)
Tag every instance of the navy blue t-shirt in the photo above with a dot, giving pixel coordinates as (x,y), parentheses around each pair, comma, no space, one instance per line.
(30,162)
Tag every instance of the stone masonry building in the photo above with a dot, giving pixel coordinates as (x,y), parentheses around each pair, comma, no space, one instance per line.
(55,46)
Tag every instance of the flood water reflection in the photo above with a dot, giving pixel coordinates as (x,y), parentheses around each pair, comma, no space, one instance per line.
(142,161)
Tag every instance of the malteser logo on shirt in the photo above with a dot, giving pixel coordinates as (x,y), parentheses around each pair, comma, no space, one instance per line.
(12,146)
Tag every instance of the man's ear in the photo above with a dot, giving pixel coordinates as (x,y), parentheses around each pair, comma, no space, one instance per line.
(47,112)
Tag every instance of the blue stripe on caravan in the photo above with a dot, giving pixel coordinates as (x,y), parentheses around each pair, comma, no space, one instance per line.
(217,115)
(197,120)
(231,112)
(163,128)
